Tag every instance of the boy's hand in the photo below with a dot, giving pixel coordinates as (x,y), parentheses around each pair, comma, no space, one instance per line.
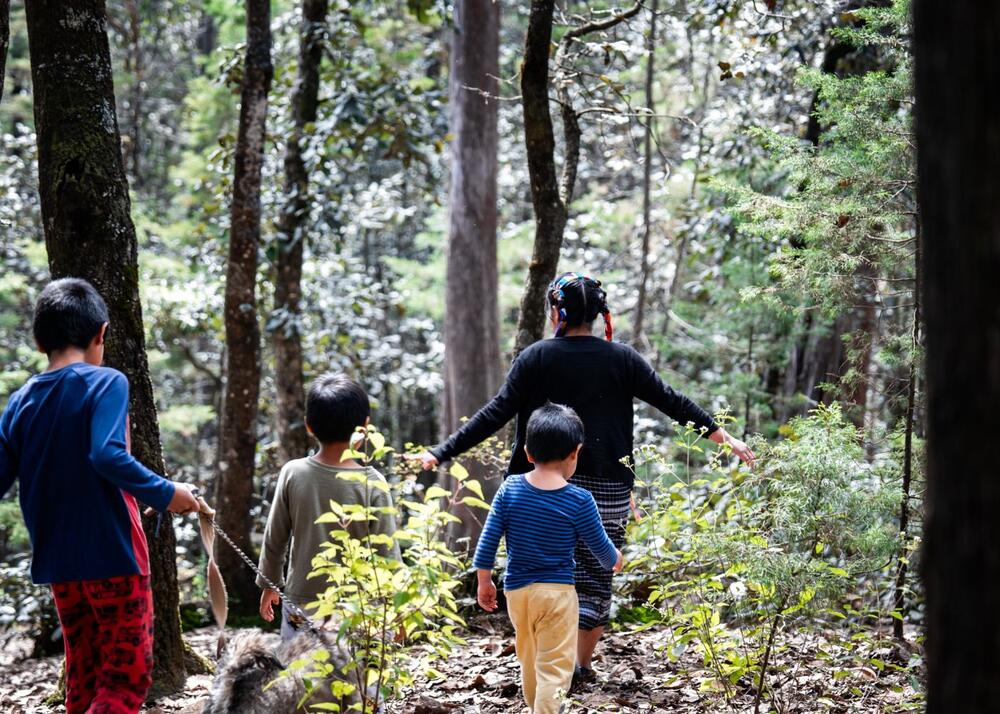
(183,500)
(619,564)
(427,459)
(486,593)
(268,599)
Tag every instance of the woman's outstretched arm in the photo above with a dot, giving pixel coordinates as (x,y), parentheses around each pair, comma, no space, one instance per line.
(651,389)
(487,421)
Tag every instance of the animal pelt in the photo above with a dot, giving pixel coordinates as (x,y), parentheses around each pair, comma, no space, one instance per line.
(254,660)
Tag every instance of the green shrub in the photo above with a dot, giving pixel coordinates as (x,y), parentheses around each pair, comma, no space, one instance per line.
(737,555)
(384,608)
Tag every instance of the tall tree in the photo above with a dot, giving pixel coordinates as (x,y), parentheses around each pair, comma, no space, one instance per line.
(89,234)
(551,191)
(957,60)
(293,440)
(238,441)
(539,139)
(472,321)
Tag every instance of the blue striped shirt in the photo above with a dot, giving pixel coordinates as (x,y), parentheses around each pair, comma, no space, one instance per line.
(541,529)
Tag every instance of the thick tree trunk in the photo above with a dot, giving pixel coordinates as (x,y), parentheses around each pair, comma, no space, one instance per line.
(472,323)
(89,233)
(238,441)
(550,211)
(647,176)
(286,337)
(958,147)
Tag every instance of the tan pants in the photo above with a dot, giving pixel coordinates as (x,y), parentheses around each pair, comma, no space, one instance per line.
(545,617)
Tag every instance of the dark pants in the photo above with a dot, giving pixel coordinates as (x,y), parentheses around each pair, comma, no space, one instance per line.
(108,631)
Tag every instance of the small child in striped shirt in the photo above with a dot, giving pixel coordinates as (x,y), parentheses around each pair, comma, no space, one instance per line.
(542,517)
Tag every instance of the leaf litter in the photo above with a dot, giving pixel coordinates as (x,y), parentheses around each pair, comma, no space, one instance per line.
(816,672)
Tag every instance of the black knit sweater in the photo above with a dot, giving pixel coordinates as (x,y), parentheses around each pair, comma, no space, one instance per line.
(598,379)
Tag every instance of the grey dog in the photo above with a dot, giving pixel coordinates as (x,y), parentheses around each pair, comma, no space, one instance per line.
(249,677)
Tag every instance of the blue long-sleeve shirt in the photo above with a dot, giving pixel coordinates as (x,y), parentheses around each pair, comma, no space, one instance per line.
(62,436)
(541,530)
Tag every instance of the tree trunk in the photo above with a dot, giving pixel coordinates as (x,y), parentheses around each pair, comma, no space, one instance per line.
(550,211)
(238,441)
(958,146)
(138,79)
(899,594)
(647,175)
(286,337)
(472,323)
(550,195)
(89,234)
(4,39)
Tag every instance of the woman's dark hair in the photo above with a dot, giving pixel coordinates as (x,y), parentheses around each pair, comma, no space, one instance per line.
(69,313)
(553,433)
(335,406)
(579,299)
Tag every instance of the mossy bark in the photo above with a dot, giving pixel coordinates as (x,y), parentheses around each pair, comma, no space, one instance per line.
(238,441)
(284,325)
(89,233)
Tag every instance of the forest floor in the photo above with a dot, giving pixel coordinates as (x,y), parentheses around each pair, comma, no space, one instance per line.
(815,673)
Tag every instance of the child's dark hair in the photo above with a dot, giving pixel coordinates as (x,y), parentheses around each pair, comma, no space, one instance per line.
(335,406)
(579,299)
(554,431)
(69,313)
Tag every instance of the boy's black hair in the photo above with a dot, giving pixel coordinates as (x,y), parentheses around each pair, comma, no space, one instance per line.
(579,300)
(335,406)
(554,431)
(69,313)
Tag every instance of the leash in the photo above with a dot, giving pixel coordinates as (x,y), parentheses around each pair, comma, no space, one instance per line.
(217,594)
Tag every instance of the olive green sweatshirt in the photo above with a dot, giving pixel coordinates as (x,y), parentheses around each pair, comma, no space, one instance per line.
(304,491)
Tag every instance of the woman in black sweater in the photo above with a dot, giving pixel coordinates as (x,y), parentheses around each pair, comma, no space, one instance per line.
(599,379)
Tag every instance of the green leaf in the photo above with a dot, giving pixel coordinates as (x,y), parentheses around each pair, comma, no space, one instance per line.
(474,486)
(436,492)
(478,503)
(376,440)
(458,471)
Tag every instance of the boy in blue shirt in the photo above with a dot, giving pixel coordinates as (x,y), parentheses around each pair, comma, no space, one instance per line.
(63,436)
(542,517)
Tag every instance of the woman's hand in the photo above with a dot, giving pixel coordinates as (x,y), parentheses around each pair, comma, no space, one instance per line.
(738,447)
(427,459)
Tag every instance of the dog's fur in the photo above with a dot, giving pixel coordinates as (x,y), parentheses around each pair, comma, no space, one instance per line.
(252,660)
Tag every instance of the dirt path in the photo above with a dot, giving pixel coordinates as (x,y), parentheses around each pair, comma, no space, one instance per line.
(816,675)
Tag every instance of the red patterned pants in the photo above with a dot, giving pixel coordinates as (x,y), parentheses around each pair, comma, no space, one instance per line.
(108,630)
